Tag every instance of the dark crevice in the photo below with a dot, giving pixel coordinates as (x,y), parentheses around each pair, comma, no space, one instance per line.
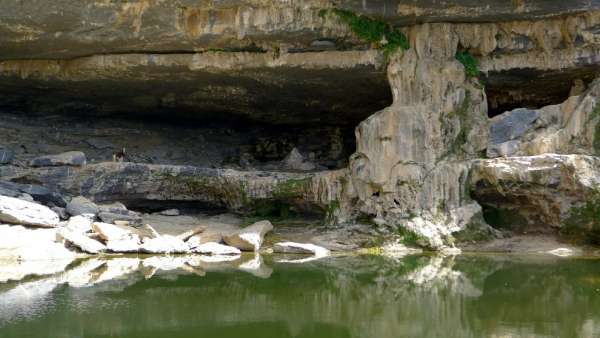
(534,89)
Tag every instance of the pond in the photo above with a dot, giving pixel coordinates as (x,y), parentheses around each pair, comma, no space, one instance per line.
(351,296)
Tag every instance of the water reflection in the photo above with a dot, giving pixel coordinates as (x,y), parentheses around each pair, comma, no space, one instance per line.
(255,296)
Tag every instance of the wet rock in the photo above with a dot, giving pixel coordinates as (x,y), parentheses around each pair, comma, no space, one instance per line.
(81,205)
(81,241)
(71,158)
(300,248)
(6,155)
(165,244)
(170,212)
(16,211)
(249,238)
(39,193)
(211,248)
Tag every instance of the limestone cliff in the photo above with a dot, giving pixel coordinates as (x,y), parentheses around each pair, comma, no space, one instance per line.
(421,114)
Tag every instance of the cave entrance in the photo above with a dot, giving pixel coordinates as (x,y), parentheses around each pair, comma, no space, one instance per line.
(248,119)
(534,89)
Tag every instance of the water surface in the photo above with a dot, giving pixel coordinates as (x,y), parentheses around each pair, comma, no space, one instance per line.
(417,296)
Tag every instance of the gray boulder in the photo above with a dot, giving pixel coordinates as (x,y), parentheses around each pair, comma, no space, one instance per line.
(81,205)
(72,158)
(512,125)
(128,216)
(296,162)
(39,193)
(16,211)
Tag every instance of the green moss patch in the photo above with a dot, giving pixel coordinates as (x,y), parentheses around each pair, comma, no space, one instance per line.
(469,62)
(378,32)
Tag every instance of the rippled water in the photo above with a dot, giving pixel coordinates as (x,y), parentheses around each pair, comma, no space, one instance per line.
(418,296)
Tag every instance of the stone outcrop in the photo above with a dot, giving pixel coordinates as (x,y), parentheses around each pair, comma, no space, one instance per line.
(535,193)
(73,158)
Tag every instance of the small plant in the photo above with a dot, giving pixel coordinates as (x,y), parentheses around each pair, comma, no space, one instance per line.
(409,237)
(469,62)
(379,32)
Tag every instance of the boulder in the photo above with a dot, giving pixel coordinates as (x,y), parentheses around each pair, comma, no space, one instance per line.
(112,232)
(80,224)
(71,158)
(6,155)
(127,245)
(211,248)
(128,216)
(16,211)
(165,244)
(209,235)
(186,235)
(81,241)
(39,193)
(81,205)
(512,125)
(300,248)
(249,238)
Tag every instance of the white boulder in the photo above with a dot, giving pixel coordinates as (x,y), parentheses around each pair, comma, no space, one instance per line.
(249,238)
(16,211)
(81,241)
(213,248)
(300,248)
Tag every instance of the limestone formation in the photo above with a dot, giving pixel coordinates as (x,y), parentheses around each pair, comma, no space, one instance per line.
(81,241)
(212,248)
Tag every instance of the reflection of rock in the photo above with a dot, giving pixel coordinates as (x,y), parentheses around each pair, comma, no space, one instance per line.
(300,248)
(16,211)
(439,273)
(256,266)
(249,238)
(31,251)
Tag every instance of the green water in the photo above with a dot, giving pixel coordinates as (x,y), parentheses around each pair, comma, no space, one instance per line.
(375,297)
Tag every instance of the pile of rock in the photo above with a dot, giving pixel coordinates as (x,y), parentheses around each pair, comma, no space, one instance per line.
(94,229)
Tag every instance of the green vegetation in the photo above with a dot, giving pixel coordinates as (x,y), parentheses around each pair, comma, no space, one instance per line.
(583,223)
(409,237)
(330,212)
(469,62)
(378,32)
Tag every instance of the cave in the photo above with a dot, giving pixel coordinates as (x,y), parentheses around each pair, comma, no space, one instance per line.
(241,118)
(533,88)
